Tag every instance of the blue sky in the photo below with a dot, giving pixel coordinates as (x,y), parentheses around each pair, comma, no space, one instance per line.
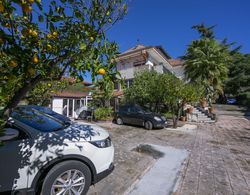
(168,23)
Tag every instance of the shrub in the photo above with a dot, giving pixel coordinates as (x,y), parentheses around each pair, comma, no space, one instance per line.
(103,113)
(244,99)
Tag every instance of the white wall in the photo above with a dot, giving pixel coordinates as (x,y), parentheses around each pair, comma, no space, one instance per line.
(57,105)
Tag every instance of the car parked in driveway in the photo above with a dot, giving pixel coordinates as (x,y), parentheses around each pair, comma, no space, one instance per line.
(134,114)
(49,112)
(43,155)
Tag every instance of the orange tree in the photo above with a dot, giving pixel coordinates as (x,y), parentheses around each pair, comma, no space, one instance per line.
(43,40)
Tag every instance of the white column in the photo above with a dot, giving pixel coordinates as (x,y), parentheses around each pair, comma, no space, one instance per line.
(67,107)
(86,101)
(73,109)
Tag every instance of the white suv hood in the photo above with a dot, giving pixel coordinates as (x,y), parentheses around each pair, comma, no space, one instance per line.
(84,132)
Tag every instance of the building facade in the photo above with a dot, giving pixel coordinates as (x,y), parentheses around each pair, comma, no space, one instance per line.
(141,58)
(67,101)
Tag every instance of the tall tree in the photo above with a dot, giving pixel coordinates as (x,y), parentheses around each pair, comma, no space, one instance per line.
(102,92)
(41,41)
(157,90)
(206,62)
(148,88)
(238,83)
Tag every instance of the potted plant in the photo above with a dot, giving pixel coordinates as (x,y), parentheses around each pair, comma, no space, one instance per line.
(211,109)
(190,110)
(183,118)
(203,103)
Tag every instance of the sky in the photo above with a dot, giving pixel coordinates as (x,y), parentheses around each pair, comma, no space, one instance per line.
(168,23)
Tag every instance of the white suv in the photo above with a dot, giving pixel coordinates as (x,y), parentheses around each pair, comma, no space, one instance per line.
(43,155)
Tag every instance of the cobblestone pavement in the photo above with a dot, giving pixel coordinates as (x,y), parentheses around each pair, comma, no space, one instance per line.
(219,160)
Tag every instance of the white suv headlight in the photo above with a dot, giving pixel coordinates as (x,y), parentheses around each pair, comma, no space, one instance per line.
(102,143)
(157,118)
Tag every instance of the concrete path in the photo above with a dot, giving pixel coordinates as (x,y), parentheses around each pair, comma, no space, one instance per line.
(162,177)
(218,163)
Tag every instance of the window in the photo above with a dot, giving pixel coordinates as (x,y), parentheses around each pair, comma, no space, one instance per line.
(36,119)
(76,104)
(123,109)
(123,66)
(128,82)
(116,86)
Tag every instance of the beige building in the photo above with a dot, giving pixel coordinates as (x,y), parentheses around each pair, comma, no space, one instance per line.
(149,58)
(141,58)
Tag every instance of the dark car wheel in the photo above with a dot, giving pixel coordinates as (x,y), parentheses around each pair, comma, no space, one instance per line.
(69,177)
(119,121)
(148,125)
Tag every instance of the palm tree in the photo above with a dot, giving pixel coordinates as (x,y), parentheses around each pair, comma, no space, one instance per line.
(206,63)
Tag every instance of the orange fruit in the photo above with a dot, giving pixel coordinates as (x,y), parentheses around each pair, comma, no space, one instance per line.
(108,13)
(49,85)
(30,31)
(27,9)
(49,36)
(55,34)
(34,33)
(91,39)
(101,71)
(49,47)
(35,59)
(12,64)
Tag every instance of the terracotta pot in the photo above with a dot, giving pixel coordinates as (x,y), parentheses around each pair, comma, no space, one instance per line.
(211,109)
(203,103)
(183,118)
(190,110)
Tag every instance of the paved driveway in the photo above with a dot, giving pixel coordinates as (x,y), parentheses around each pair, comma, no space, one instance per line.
(219,160)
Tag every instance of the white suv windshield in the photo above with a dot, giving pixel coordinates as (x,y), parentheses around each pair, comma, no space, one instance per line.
(36,119)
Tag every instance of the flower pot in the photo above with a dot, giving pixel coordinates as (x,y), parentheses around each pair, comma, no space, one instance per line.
(183,118)
(211,109)
(203,103)
(190,110)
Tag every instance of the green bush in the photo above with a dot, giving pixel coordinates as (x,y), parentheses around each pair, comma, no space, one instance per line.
(103,113)
(168,115)
(244,99)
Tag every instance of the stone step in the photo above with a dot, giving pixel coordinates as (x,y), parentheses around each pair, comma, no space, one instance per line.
(211,121)
(200,114)
(201,117)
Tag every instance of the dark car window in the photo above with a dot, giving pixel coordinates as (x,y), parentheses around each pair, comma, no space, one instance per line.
(123,109)
(36,119)
(133,109)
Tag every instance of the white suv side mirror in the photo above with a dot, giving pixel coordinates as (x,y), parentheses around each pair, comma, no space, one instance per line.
(9,134)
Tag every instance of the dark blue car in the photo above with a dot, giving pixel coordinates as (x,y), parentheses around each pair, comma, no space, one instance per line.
(231,101)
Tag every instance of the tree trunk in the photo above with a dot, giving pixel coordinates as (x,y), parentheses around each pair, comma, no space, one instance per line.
(175,123)
(176,115)
(20,94)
